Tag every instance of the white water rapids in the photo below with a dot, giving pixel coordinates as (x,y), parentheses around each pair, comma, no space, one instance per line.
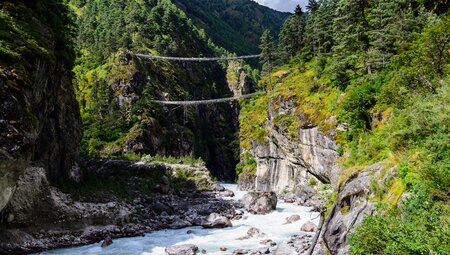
(209,240)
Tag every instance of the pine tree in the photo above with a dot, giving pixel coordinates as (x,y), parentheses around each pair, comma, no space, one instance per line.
(350,52)
(292,34)
(267,47)
(312,6)
(393,24)
(319,28)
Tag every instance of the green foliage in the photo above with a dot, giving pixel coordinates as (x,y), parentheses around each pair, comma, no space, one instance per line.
(382,67)
(357,106)
(116,89)
(312,181)
(267,48)
(247,164)
(421,227)
(43,29)
(292,34)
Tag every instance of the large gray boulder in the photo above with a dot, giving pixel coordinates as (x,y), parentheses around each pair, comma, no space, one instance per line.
(309,227)
(184,249)
(217,221)
(259,202)
(284,249)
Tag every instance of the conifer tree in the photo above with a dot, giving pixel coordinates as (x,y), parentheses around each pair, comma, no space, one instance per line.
(267,47)
(312,6)
(393,23)
(292,33)
(350,27)
(319,28)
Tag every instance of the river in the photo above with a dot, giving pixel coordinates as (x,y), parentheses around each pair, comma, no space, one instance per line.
(209,240)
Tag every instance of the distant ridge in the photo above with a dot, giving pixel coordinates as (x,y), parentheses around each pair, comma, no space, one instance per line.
(235,25)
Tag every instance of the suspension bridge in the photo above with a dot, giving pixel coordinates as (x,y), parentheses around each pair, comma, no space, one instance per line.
(201,59)
(185,59)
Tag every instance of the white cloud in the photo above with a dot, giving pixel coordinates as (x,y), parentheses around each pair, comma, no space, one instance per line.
(283,5)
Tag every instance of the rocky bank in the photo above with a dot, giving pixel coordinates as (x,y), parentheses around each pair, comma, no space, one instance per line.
(42,217)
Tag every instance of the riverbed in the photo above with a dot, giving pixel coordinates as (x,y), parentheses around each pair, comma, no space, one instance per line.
(210,240)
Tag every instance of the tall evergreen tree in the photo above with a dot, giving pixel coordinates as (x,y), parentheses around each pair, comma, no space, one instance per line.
(392,24)
(267,48)
(292,34)
(312,6)
(319,28)
(352,42)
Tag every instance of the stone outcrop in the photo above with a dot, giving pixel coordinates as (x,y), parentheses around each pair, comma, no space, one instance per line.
(283,163)
(351,207)
(287,161)
(39,117)
(292,219)
(259,202)
(309,227)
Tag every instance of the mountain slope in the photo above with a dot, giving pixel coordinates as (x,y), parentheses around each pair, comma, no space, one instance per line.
(358,119)
(235,25)
(116,89)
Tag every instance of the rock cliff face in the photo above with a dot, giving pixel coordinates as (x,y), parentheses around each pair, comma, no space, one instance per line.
(350,208)
(287,162)
(39,116)
(284,164)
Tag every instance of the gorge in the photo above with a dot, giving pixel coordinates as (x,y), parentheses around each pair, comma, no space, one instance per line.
(349,126)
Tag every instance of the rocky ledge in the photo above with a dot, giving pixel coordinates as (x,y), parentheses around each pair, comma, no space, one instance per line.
(41,217)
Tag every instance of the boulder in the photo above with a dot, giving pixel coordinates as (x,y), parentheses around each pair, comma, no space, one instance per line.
(217,221)
(227,193)
(241,252)
(184,249)
(309,227)
(107,242)
(259,202)
(284,249)
(218,187)
(292,219)
(253,232)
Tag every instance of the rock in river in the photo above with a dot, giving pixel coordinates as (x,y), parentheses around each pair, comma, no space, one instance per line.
(309,227)
(259,202)
(184,249)
(216,221)
(292,219)
(107,242)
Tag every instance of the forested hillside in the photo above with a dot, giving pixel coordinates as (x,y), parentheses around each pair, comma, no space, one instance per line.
(374,77)
(234,25)
(115,88)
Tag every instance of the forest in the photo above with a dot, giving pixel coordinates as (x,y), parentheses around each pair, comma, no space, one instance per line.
(382,67)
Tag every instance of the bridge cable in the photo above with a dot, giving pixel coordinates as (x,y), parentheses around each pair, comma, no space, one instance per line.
(207,101)
(150,56)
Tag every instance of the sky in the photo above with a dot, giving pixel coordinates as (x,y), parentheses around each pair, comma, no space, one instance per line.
(283,5)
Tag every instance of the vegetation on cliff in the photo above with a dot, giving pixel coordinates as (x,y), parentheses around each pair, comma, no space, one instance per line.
(39,117)
(375,76)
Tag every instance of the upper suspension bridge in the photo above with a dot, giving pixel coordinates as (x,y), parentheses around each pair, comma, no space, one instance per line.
(203,59)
